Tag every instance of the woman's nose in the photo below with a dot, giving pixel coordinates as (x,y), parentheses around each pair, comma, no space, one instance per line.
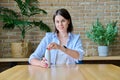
(60,23)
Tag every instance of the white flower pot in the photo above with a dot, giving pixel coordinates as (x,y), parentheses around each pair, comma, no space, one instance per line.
(103,50)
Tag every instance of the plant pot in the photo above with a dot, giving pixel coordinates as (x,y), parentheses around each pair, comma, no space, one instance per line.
(21,50)
(103,50)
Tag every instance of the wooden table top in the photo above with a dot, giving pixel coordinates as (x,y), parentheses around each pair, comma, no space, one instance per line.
(63,72)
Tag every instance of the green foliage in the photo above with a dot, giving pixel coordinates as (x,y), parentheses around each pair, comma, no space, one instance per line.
(28,8)
(103,35)
(21,20)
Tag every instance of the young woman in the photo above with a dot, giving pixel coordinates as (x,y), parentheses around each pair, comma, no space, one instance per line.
(65,47)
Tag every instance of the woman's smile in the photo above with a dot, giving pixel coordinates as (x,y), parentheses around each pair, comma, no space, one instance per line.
(61,23)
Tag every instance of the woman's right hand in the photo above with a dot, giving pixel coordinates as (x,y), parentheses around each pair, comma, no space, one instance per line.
(37,62)
(43,63)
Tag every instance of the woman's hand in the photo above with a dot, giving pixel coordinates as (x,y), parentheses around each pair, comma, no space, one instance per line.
(53,46)
(37,62)
(43,63)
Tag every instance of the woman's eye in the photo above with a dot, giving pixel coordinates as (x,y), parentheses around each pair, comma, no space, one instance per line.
(57,21)
(63,20)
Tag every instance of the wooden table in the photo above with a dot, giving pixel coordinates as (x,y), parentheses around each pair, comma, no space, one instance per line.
(63,72)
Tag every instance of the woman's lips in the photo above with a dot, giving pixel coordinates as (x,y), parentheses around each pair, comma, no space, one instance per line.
(62,27)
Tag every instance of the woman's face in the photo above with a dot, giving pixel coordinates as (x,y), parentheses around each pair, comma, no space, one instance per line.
(61,23)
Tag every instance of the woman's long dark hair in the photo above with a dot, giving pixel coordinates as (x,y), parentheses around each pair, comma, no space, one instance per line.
(64,13)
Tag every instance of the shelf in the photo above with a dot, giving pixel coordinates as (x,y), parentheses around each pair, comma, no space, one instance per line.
(102,58)
(85,58)
(13,59)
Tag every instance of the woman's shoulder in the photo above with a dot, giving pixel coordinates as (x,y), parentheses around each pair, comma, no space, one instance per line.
(49,34)
(74,35)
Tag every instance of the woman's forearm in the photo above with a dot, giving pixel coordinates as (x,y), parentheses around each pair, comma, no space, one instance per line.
(70,52)
(35,62)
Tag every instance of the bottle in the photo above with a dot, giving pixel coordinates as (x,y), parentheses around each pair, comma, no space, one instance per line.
(48,57)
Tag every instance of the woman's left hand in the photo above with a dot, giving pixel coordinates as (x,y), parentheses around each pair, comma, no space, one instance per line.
(53,46)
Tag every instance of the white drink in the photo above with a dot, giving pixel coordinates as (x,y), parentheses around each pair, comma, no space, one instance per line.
(48,57)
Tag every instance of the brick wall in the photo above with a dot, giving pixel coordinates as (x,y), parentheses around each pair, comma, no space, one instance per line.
(83,13)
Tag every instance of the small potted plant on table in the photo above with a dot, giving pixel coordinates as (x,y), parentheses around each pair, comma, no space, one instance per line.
(103,36)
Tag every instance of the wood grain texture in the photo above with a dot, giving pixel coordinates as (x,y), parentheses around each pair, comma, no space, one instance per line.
(63,72)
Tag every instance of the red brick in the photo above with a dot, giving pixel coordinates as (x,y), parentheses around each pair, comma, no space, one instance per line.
(83,13)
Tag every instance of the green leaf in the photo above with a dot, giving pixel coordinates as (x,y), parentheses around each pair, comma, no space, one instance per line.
(103,35)
(42,26)
(21,20)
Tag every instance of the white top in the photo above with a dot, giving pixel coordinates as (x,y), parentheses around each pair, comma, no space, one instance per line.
(61,57)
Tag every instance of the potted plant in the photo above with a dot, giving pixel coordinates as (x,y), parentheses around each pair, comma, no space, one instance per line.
(22,20)
(103,35)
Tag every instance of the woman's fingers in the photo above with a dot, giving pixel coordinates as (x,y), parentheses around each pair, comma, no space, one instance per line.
(43,63)
(53,46)
(44,59)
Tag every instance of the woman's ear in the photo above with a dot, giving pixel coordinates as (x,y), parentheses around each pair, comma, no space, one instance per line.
(69,21)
